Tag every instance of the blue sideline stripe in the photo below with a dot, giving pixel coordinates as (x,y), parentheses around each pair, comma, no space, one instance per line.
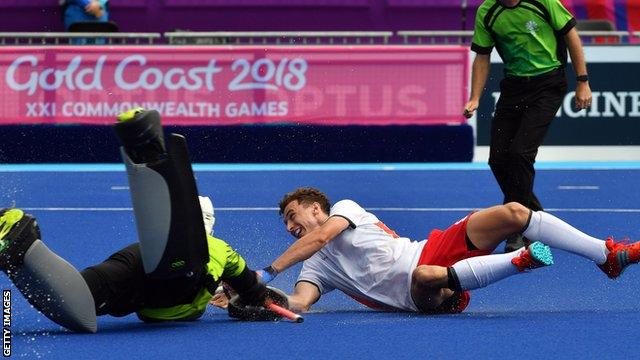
(323,167)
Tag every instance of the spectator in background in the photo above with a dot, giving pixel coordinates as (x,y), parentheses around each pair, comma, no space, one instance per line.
(83,10)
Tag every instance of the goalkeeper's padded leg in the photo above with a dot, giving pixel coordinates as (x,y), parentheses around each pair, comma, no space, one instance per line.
(168,216)
(55,288)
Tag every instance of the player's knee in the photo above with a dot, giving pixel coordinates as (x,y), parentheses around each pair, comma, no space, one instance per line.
(426,276)
(515,215)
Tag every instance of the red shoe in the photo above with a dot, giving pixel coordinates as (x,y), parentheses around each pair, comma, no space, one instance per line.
(621,254)
(534,256)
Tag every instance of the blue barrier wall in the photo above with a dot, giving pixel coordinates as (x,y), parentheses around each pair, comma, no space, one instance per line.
(249,144)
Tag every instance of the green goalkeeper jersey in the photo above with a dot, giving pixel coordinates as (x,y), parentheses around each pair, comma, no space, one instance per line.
(223,262)
(527,36)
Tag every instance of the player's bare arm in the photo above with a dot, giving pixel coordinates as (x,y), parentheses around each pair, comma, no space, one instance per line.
(310,243)
(304,295)
(480,72)
(583,91)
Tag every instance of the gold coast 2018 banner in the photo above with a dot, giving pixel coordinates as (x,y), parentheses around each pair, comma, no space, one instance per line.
(235,85)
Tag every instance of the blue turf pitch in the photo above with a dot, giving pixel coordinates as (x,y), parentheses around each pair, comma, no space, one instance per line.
(569,310)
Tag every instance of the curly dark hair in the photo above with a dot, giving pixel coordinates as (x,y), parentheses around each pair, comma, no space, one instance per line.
(306,195)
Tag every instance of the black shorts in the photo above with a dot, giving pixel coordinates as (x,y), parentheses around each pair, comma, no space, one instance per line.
(120,286)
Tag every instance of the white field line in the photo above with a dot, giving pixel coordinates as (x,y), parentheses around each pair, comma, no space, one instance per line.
(393,209)
(578,187)
(560,187)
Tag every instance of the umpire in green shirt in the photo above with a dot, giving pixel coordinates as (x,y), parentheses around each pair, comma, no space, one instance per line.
(532,37)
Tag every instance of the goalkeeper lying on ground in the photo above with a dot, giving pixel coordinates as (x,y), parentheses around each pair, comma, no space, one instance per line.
(170,274)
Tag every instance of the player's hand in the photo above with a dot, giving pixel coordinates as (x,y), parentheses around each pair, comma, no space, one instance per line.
(222,295)
(94,8)
(267,274)
(470,108)
(583,95)
(220,300)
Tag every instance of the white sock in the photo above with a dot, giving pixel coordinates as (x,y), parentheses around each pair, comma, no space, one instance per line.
(556,233)
(480,271)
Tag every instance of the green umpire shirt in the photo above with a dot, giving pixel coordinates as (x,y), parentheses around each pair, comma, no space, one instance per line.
(223,262)
(528,36)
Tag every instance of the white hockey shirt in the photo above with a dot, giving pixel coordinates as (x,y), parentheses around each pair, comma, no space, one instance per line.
(367,261)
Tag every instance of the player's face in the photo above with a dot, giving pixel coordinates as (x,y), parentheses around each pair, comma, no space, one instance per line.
(300,219)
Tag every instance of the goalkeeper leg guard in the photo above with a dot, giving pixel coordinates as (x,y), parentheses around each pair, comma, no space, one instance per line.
(52,285)
(165,198)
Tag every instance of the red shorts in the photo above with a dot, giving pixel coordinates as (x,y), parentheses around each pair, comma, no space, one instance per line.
(445,248)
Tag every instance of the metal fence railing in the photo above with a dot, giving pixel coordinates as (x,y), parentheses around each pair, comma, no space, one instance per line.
(605,37)
(435,37)
(74,38)
(412,37)
(464,37)
(278,38)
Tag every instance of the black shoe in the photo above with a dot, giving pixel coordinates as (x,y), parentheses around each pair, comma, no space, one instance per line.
(17,232)
(515,242)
